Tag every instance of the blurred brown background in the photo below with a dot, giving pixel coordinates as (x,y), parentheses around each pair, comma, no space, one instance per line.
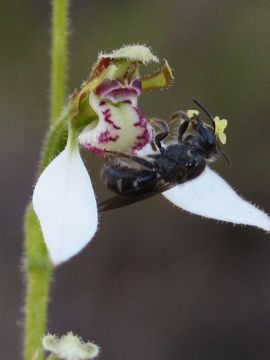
(155,283)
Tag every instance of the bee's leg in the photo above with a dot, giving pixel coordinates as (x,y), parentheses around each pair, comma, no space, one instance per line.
(182,128)
(180,114)
(163,125)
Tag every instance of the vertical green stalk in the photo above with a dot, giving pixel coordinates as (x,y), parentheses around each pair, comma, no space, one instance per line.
(38,267)
(59,55)
(38,276)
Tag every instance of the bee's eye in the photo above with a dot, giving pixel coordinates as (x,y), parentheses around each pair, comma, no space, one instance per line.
(206,134)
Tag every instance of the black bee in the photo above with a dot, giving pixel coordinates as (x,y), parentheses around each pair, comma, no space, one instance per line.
(174,161)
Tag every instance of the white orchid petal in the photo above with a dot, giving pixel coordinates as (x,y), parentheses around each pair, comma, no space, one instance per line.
(65,204)
(211,196)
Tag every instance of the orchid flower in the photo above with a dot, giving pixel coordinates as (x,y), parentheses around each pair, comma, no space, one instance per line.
(105,113)
(105,117)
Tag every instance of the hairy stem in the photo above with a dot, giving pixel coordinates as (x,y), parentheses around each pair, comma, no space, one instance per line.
(39,273)
(58,55)
(38,267)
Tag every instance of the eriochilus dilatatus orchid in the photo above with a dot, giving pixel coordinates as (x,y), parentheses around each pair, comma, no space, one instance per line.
(169,157)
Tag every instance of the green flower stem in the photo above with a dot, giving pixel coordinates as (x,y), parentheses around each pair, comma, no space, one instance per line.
(39,273)
(55,141)
(58,55)
(38,267)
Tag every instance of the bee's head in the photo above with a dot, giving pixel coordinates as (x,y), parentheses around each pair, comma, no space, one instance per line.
(208,135)
(206,142)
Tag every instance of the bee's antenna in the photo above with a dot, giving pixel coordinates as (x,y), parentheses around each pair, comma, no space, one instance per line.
(201,106)
(226,157)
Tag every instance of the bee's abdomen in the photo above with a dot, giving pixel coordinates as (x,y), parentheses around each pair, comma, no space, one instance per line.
(125,181)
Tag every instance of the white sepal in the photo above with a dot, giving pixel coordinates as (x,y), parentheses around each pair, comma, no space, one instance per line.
(70,347)
(65,204)
(211,196)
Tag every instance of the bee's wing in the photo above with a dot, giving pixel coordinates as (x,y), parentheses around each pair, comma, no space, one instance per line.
(151,189)
(116,202)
